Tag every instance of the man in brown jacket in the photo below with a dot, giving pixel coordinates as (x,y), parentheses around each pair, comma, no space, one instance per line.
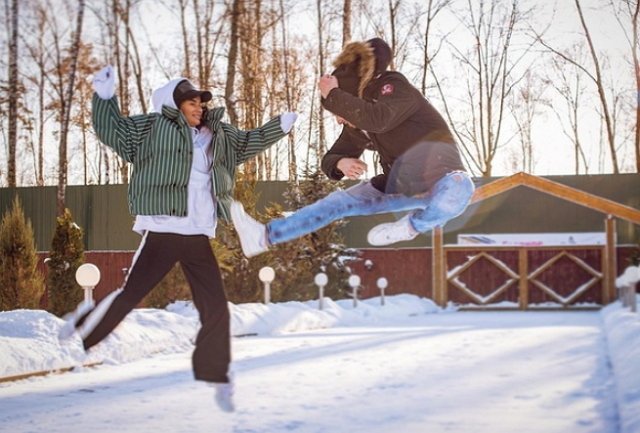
(422,172)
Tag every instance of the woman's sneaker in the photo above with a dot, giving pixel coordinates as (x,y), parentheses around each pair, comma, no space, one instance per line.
(224,396)
(74,319)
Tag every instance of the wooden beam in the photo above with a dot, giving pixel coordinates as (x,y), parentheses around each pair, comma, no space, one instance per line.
(523,284)
(439,277)
(496,187)
(610,265)
(592,201)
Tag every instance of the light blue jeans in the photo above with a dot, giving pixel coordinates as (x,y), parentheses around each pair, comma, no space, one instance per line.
(448,198)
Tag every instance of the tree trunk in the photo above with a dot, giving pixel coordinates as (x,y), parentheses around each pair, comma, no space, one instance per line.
(230,104)
(346,22)
(13,93)
(601,92)
(636,65)
(66,109)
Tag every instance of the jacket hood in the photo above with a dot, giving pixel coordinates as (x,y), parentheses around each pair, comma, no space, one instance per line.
(164,95)
(359,63)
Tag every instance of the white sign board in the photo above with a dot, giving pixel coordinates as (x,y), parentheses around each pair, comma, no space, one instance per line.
(533,239)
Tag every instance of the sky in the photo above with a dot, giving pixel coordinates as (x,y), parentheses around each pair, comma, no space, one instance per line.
(406,366)
(554,153)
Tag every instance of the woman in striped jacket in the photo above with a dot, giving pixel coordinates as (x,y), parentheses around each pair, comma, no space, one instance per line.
(183,160)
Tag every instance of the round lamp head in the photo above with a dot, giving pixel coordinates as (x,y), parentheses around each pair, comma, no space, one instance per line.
(382,283)
(88,275)
(354,280)
(321,279)
(632,274)
(267,274)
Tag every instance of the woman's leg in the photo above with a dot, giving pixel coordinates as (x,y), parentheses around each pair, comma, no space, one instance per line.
(155,257)
(212,354)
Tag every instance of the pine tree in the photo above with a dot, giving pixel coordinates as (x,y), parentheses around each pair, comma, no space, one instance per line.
(295,262)
(239,274)
(21,284)
(320,251)
(66,255)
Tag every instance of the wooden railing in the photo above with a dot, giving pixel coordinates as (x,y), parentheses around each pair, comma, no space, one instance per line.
(525,276)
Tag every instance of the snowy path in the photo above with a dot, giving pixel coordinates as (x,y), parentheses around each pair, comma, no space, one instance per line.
(459,372)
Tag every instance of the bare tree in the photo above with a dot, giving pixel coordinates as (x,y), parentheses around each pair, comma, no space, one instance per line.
(491,78)
(596,77)
(526,103)
(37,54)
(293,161)
(627,12)
(568,84)
(236,11)
(434,7)
(386,22)
(13,93)
(346,21)
(66,99)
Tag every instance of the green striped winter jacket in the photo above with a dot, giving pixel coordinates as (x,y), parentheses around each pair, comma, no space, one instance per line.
(160,149)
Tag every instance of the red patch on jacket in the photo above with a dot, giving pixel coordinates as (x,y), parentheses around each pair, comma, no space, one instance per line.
(387,89)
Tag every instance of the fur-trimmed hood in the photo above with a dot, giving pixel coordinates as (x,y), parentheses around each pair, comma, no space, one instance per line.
(359,62)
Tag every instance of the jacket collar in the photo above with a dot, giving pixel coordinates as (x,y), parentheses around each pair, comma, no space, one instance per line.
(174,114)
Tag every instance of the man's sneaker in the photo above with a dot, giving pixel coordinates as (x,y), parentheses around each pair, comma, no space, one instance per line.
(72,320)
(224,396)
(390,233)
(252,234)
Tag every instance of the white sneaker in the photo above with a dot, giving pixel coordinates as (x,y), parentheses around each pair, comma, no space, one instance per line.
(224,396)
(390,233)
(252,234)
(72,319)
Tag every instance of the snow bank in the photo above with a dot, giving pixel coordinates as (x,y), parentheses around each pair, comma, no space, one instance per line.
(29,343)
(622,329)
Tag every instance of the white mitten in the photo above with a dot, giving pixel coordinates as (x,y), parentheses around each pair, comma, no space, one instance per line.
(104,82)
(287,120)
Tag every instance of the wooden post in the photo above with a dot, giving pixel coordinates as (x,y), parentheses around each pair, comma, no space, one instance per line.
(609,268)
(523,282)
(438,268)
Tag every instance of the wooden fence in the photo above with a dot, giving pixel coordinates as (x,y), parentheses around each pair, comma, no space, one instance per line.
(510,277)
(477,277)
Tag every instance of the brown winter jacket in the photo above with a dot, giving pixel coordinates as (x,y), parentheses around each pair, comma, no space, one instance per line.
(396,117)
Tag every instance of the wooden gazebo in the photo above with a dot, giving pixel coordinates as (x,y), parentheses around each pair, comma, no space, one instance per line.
(442,278)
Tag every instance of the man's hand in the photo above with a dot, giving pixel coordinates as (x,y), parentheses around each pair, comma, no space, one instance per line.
(351,167)
(326,84)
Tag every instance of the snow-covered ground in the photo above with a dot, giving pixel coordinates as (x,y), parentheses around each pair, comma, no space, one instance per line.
(408,366)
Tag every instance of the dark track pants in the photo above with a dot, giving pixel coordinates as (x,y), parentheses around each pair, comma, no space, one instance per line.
(156,256)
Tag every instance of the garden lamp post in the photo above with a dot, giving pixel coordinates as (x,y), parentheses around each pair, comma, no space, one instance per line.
(354,282)
(321,281)
(88,277)
(266,275)
(382,284)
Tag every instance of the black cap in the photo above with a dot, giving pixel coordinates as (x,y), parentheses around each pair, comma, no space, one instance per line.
(185,90)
